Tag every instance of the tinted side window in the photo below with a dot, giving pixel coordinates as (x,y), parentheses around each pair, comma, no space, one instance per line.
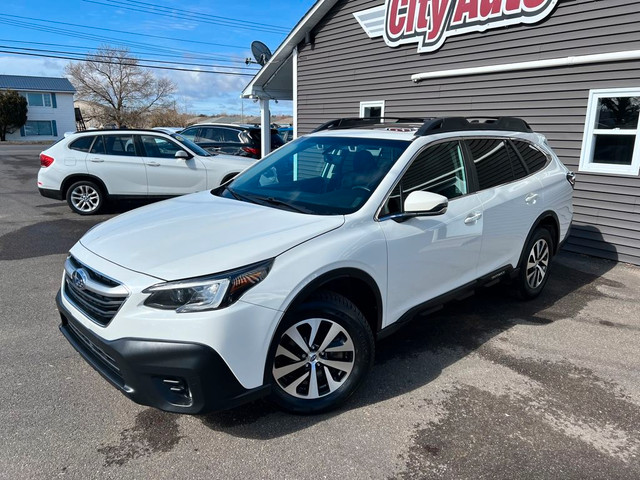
(492,161)
(438,169)
(120,145)
(190,133)
(98,145)
(159,147)
(212,134)
(534,158)
(230,135)
(83,144)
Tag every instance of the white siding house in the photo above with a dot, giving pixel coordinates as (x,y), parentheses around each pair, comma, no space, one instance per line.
(50,103)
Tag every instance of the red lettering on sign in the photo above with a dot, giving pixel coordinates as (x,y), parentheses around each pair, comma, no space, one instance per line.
(395,21)
(423,14)
(512,6)
(466,8)
(411,17)
(439,9)
(490,7)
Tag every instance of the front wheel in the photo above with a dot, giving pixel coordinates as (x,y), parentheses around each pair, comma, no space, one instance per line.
(534,267)
(320,354)
(85,197)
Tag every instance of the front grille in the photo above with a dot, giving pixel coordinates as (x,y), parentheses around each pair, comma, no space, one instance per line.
(99,298)
(97,352)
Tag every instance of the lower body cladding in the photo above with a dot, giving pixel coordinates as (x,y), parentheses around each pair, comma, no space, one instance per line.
(172,376)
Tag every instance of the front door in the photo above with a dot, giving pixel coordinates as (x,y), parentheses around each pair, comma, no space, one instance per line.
(168,175)
(432,255)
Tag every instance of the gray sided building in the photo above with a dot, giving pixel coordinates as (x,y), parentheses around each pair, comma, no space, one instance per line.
(570,68)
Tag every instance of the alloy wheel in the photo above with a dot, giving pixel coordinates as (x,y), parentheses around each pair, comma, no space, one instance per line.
(314,358)
(538,263)
(85,198)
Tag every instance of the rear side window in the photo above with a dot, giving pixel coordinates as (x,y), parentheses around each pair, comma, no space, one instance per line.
(496,162)
(120,145)
(533,158)
(82,144)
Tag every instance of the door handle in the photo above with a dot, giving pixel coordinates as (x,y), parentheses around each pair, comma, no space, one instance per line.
(96,160)
(472,218)
(153,164)
(532,198)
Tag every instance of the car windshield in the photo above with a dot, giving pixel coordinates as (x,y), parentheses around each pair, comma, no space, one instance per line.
(191,145)
(318,175)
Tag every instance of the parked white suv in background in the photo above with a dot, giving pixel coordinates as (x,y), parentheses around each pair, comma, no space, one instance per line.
(281,281)
(88,168)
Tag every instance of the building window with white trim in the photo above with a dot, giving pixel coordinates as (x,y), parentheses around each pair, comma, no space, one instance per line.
(39,99)
(373,109)
(38,127)
(611,143)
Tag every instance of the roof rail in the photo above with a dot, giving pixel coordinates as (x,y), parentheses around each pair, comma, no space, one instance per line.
(353,122)
(451,124)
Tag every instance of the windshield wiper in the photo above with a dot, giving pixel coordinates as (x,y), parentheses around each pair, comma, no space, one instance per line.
(282,203)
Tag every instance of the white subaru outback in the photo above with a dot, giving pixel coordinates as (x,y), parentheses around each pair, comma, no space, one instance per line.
(88,168)
(280,282)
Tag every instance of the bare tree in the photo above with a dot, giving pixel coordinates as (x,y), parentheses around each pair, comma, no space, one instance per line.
(118,90)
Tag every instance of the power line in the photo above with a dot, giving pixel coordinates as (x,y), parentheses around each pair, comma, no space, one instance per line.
(84,48)
(93,56)
(185,14)
(158,67)
(243,22)
(124,31)
(87,36)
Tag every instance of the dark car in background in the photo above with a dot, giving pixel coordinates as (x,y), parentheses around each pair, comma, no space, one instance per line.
(241,140)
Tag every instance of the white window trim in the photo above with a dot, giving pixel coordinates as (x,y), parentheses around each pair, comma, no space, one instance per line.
(44,102)
(586,155)
(373,103)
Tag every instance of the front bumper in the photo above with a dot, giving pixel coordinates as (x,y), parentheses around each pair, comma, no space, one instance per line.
(172,376)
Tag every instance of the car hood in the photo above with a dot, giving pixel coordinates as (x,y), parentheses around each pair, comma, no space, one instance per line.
(201,234)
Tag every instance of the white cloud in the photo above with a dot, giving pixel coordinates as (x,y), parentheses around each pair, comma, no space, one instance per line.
(202,92)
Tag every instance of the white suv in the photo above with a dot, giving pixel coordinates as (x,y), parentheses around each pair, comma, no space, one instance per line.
(281,281)
(91,167)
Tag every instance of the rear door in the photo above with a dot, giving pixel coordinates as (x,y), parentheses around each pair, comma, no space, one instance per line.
(166,174)
(114,160)
(511,201)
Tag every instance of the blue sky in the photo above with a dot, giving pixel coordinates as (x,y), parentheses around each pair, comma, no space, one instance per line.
(204,32)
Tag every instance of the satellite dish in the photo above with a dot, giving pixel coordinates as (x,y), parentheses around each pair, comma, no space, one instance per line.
(261,52)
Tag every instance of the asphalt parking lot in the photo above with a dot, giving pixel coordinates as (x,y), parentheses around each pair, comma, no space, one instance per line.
(488,388)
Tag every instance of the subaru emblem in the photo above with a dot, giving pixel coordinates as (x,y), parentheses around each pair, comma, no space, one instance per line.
(80,278)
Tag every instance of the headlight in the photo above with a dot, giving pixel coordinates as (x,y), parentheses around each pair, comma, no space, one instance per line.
(206,293)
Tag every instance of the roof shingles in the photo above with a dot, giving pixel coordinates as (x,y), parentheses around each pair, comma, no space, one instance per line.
(36,84)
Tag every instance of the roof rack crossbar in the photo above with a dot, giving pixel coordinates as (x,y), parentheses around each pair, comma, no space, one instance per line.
(353,122)
(449,124)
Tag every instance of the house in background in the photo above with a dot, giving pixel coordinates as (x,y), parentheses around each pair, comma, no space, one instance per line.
(50,103)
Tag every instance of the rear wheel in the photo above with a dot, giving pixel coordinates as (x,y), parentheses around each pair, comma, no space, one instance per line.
(320,354)
(534,267)
(85,197)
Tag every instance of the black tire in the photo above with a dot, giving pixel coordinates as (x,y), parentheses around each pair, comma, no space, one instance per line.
(85,197)
(535,263)
(339,325)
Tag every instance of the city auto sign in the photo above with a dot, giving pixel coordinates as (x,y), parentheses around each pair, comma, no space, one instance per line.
(430,22)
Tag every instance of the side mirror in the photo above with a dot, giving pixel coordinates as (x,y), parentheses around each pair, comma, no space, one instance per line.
(425,203)
(182,155)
